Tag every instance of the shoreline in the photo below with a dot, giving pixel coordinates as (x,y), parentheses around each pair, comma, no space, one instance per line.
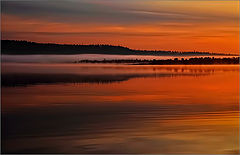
(176,61)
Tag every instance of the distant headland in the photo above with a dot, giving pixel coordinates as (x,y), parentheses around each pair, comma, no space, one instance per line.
(15,47)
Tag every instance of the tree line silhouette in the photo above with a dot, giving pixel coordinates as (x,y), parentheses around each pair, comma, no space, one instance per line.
(176,61)
(26,47)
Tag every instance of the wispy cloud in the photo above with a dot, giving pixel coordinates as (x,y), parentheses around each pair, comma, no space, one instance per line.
(144,24)
(109,11)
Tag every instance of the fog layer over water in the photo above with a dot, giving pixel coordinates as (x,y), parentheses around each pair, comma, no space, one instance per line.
(77,57)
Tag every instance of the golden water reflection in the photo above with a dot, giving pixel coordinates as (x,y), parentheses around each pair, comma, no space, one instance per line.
(194,111)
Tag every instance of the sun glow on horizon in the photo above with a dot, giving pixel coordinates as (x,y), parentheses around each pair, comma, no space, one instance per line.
(211,26)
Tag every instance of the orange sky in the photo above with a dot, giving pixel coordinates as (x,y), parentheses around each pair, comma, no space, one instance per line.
(211,26)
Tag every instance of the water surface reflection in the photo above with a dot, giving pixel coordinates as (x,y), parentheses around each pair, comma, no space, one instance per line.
(155,109)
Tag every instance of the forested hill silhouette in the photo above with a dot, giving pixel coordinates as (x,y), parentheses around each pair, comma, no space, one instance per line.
(26,47)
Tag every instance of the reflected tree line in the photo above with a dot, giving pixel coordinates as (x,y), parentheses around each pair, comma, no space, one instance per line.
(22,80)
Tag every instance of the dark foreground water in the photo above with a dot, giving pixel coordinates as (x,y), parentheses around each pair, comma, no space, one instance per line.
(84,108)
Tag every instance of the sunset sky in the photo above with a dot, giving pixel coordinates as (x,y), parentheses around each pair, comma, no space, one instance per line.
(188,25)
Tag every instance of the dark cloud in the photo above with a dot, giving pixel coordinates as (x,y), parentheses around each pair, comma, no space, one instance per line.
(91,33)
(106,12)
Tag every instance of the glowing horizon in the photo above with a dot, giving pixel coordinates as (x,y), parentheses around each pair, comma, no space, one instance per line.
(206,26)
